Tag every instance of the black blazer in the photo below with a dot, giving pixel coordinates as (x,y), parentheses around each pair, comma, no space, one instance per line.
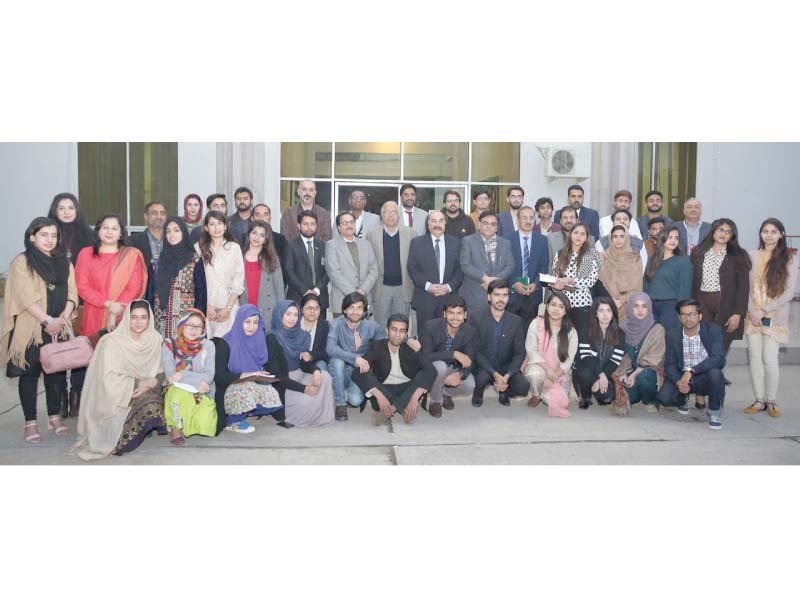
(511,350)
(434,334)
(298,271)
(422,268)
(319,349)
(139,240)
(713,342)
(380,363)
(734,284)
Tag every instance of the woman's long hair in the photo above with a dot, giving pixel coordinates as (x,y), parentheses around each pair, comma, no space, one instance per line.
(205,238)
(562,348)
(595,331)
(654,264)
(733,248)
(83,232)
(268,256)
(563,255)
(777,274)
(96,242)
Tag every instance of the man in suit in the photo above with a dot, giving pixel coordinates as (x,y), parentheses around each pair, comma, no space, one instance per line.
(507,221)
(305,263)
(500,349)
(411,215)
(693,362)
(397,379)
(587,216)
(307,195)
(459,223)
(150,242)
(622,201)
(351,263)
(262,212)
(531,254)
(484,256)
(213,202)
(390,243)
(655,202)
(365,221)
(434,267)
(692,230)
(448,344)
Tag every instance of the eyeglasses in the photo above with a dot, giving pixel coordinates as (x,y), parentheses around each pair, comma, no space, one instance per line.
(195,327)
(310,308)
(689,314)
(725,231)
(489,223)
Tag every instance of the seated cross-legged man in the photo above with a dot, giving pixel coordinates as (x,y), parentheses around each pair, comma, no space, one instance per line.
(693,361)
(501,348)
(449,345)
(397,379)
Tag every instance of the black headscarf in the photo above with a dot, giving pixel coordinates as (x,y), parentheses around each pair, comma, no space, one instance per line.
(55,272)
(172,259)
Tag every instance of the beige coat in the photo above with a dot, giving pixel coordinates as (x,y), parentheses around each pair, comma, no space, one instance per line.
(375,238)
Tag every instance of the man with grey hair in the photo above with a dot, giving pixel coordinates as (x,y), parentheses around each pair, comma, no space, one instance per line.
(365,221)
(307,194)
(692,230)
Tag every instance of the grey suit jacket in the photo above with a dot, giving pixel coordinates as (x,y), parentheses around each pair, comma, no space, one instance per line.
(419,216)
(683,235)
(342,271)
(375,238)
(270,290)
(475,264)
(369,222)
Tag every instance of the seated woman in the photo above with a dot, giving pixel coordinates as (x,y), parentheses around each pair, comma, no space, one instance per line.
(641,371)
(317,328)
(242,354)
(600,351)
(549,364)
(189,367)
(122,401)
(308,390)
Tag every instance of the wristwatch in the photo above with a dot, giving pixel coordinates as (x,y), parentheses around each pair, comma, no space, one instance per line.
(48,319)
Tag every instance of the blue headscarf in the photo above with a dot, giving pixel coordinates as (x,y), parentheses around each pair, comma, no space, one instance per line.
(294,341)
(248,352)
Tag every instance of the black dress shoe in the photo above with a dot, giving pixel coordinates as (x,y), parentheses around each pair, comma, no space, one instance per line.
(503,399)
(477,401)
(435,410)
(341,412)
(447,403)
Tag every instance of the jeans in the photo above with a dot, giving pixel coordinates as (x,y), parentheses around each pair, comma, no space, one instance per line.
(645,389)
(344,390)
(711,384)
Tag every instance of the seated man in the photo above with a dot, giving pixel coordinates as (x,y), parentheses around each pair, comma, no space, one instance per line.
(693,361)
(349,338)
(397,378)
(500,349)
(449,345)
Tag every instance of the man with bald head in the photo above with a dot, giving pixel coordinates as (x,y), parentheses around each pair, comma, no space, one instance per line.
(433,265)
(692,230)
(306,194)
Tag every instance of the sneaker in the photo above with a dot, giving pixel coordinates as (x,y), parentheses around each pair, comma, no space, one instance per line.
(683,409)
(651,408)
(714,422)
(341,412)
(241,427)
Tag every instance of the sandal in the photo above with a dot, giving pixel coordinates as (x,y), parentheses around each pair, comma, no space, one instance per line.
(753,409)
(772,409)
(34,437)
(55,425)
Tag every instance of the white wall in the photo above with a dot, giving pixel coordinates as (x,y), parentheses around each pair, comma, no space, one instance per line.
(197,172)
(536,185)
(30,175)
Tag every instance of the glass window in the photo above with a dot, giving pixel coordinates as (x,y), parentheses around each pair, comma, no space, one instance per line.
(153,176)
(367,160)
(102,181)
(306,159)
(497,193)
(289,194)
(675,174)
(495,162)
(436,161)
(377,195)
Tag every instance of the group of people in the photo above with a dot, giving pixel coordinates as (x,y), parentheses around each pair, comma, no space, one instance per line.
(203,323)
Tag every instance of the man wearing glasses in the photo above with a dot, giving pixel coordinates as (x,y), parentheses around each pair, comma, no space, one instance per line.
(485,256)
(508,223)
(693,361)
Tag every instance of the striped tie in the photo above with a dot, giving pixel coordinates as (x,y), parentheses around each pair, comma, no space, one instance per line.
(526,258)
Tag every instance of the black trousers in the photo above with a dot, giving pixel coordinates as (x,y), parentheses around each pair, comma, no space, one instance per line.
(711,384)
(580,318)
(585,374)
(518,385)
(54,386)
(398,394)
(76,378)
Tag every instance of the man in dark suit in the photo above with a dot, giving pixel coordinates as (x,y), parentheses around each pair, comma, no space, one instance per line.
(507,221)
(433,265)
(397,379)
(530,252)
(262,212)
(150,242)
(304,275)
(693,362)
(692,230)
(500,349)
(449,344)
(587,216)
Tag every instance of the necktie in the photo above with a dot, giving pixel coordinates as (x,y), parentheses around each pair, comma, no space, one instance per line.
(410,218)
(438,256)
(526,258)
(311,260)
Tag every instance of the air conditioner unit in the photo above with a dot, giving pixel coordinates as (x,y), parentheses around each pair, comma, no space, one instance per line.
(567,162)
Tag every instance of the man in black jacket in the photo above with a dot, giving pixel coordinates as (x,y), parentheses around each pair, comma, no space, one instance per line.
(449,345)
(397,378)
(693,361)
(304,276)
(500,348)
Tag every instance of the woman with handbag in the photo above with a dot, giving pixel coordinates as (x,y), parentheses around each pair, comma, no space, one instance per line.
(75,236)
(40,296)
(122,402)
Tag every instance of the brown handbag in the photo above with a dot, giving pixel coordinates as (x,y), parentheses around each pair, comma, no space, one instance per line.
(75,353)
(621,405)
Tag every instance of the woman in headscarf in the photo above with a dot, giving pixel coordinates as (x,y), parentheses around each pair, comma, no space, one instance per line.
(621,268)
(308,390)
(40,296)
(240,371)
(180,279)
(641,371)
(192,211)
(75,236)
(189,366)
(122,395)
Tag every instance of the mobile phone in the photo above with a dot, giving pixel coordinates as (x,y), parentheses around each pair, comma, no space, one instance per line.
(766,321)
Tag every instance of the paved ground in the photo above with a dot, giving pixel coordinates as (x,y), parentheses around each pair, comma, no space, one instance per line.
(493,434)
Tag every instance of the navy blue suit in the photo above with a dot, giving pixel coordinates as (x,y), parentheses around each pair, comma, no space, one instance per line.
(528,307)
(505,224)
(587,216)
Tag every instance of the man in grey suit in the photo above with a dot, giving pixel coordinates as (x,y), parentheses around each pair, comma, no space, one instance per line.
(390,243)
(692,231)
(411,215)
(350,263)
(365,221)
(485,256)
